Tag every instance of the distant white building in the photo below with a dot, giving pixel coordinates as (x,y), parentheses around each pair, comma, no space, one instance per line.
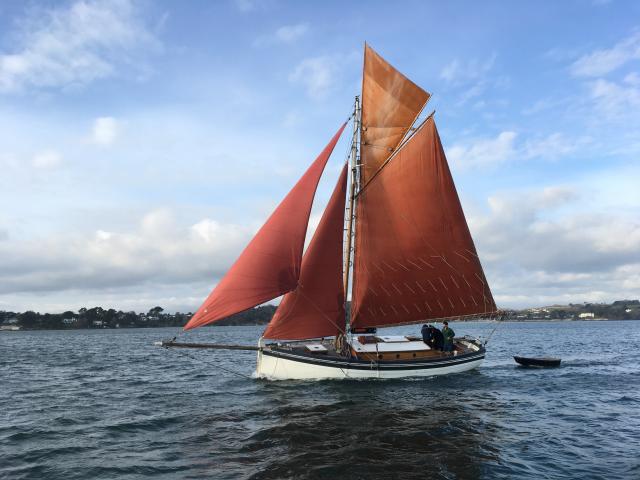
(586,315)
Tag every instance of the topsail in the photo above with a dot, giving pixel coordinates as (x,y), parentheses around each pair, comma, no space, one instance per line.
(390,105)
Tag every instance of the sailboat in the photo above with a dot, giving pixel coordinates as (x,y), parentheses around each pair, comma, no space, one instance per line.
(393,232)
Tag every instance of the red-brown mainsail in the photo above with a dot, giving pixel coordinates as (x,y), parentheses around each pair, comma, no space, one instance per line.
(270,265)
(414,257)
(316,307)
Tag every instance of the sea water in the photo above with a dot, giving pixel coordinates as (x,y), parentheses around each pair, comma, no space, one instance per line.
(105,404)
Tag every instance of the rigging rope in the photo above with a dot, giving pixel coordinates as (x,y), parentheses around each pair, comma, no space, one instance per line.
(224,369)
(499,320)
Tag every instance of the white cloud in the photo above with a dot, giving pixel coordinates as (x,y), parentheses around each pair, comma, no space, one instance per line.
(553,146)
(603,61)
(47,159)
(613,97)
(318,75)
(105,130)
(286,34)
(248,6)
(291,119)
(542,105)
(540,247)
(472,78)
(558,54)
(290,33)
(503,148)
(159,251)
(484,151)
(632,79)
(458,72)
(75,45)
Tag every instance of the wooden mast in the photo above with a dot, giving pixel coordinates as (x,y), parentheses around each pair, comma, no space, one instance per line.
(354,160)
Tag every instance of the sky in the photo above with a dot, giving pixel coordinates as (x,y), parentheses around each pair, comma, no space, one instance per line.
(142,143)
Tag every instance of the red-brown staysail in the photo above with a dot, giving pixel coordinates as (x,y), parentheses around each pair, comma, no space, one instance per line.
(390,105)
(270,265)
(316,307)
(414,257)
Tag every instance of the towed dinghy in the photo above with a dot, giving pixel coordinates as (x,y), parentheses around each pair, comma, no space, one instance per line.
(538,362)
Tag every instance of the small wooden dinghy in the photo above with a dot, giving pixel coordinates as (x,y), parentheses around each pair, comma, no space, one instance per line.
(538,362)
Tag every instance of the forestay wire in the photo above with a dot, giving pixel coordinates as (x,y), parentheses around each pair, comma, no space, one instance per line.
(499,320)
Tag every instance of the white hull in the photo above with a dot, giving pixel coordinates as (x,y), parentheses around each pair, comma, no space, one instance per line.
(278,368)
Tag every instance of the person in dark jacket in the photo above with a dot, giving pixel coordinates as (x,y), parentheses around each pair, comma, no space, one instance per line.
(427,336)
(437,339)
(448,335)
(432,337)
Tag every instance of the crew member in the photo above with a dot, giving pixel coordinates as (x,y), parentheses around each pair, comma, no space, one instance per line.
(427,335)
(448,335)
(437,339)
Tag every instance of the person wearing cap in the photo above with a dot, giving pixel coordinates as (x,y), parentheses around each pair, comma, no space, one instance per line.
(448,335)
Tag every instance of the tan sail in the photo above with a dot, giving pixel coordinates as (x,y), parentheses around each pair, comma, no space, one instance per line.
(316,307)
(270,265)
(415,258)
(390,105)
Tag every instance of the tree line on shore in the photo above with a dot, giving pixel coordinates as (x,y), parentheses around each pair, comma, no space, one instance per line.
(618,310)
(98,317)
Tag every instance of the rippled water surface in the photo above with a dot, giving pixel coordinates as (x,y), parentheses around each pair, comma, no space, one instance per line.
(108,404)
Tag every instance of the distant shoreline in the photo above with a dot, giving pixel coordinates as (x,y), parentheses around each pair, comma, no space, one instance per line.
(536,320)
(98,318)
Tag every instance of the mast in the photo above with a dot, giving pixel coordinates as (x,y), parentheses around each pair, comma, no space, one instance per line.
(350,214)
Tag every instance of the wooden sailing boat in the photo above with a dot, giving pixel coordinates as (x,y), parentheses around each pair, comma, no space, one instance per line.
(407,246)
